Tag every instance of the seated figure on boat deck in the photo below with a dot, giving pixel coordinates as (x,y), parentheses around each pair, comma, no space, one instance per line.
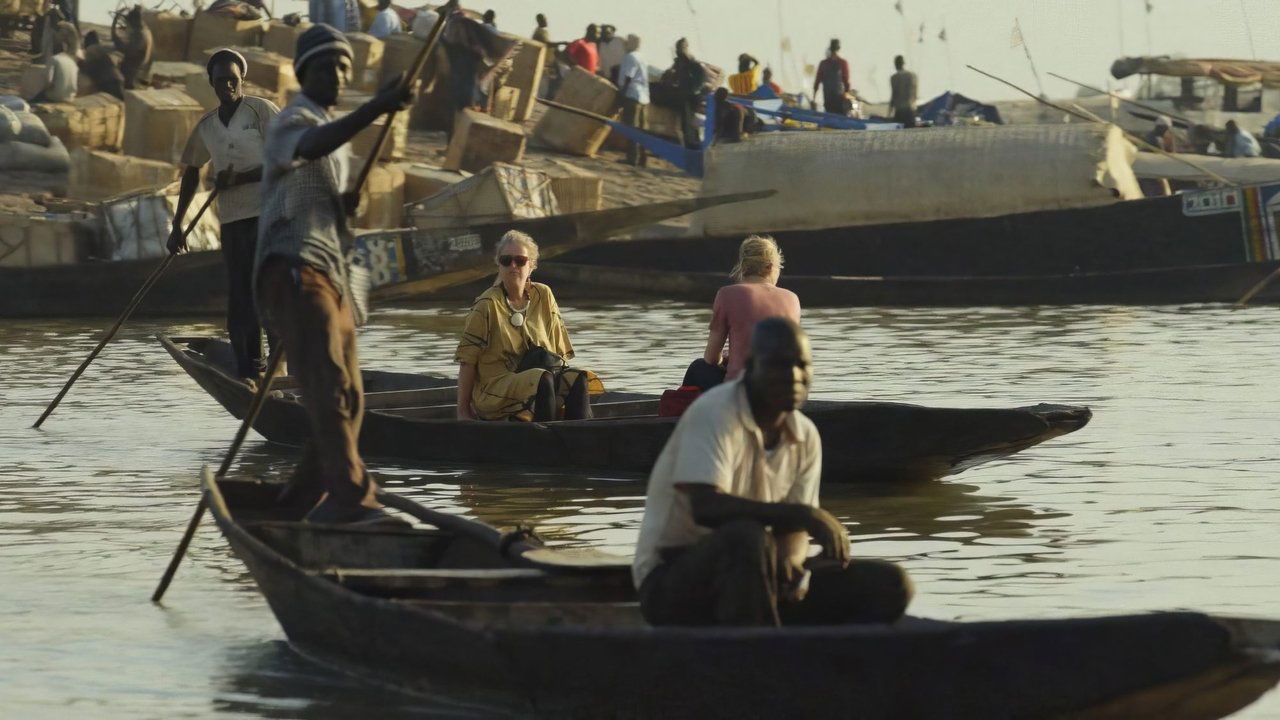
(733,502)
(754,296)
(514,349)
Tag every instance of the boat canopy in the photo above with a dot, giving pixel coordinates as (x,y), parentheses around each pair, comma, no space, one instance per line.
(1227,72)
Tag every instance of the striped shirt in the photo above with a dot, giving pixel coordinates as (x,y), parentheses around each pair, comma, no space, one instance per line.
(238,145)
(303,220)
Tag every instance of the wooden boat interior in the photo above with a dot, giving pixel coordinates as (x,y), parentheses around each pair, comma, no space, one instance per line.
(435,569)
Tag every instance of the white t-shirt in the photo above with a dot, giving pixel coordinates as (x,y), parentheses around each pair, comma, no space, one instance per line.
(237,145)
(633,68)
(718,443)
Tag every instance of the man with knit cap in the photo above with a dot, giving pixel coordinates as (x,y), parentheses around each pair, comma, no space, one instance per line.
(301,272)
(231,136)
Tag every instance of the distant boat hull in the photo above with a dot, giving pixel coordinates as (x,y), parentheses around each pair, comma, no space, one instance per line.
(1205,246)
(194,284)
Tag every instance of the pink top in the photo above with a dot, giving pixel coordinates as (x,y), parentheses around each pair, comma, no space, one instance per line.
(739,307)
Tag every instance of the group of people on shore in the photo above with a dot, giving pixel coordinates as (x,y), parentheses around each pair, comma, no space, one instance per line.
(56,40)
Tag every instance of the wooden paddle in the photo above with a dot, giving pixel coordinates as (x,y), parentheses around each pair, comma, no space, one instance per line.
(128,311)
(259,399)
(407,81)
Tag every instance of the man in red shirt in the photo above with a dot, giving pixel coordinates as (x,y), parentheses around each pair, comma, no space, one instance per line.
(833,77)
(583,51)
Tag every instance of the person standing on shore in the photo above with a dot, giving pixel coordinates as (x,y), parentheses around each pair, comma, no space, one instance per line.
(300,272)
(231,136)
(583,52)
(833,78)
(690,77)
(136,44)
(612,49)
(633,75)
(902,100)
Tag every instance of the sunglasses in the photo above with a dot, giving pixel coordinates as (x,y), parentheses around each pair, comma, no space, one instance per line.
(519,260)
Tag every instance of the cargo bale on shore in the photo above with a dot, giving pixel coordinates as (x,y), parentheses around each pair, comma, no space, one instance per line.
(362,144)
(842,179)
(527,65)
(282,39)
(574,134)
(382,198)
(366,67)
(421,181)
(158,123)
(480,140)
(97,174)
(170,35)
(499,194)
(213,30)
(93,121)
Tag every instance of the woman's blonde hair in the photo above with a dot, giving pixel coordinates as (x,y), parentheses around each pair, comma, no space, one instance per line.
(515,237)
(755,256)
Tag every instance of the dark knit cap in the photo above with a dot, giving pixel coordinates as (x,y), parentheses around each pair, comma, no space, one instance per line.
(225,55)
(317,39)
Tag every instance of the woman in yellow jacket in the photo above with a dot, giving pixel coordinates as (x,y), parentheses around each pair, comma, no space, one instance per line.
(514,349)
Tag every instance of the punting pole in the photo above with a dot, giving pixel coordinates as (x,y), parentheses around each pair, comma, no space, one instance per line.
(416,69)
(133,305)
(259,399)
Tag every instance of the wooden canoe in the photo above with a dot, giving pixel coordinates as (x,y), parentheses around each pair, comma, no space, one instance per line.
(413,417)
(1154,286)
(439,609)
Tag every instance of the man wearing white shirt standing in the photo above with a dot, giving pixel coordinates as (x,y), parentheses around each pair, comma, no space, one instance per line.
(633,79)
(231,136)
(732,503)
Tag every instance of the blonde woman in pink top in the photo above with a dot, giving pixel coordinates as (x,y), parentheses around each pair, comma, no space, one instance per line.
(753,298)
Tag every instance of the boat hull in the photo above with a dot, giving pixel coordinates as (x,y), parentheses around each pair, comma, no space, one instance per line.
(193,284)
(862,441)
(1207,246)
(1172,666)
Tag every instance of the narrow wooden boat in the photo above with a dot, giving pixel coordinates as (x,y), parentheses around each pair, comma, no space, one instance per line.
(1200,246)
(1157,286)
(194,283)
(452,609)
(413,417)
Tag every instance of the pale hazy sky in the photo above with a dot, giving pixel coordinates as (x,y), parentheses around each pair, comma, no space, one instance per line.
(1076,38)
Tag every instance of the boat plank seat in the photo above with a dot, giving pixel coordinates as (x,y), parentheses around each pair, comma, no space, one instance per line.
(533,614)
(321,546)
(409,398)
(482,585)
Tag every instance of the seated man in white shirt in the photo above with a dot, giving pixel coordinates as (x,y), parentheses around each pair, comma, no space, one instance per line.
(386,22)
(733,502)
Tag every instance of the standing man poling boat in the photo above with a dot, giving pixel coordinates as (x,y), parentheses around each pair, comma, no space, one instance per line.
(231,136)
(301,274)
(732,503)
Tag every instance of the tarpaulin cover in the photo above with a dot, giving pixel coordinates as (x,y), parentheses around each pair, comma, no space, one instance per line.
(943,109)
(1229,72)
(836,178)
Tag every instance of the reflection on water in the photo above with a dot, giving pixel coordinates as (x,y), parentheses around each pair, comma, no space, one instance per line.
(1167,499)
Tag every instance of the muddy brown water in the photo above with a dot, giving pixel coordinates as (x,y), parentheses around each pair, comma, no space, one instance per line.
(1169,499)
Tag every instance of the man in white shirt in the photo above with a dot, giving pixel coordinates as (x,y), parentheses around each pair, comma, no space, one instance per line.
(633,79)
(62,77)
(732,504)
(1241,143)
(231,136)
(386,22)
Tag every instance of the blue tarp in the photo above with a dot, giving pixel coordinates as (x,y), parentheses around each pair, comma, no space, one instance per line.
(943,110)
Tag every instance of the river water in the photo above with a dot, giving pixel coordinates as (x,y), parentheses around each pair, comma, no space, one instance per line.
(1167,500)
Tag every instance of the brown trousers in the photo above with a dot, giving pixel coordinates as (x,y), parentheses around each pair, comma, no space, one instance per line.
(301,305)
(730,577)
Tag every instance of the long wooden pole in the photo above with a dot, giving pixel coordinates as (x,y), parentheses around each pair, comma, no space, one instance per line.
(128,311)
(259,399)
(1083,115)
(416,69)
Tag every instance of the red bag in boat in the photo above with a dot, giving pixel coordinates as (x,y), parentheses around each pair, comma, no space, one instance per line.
(675,402)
